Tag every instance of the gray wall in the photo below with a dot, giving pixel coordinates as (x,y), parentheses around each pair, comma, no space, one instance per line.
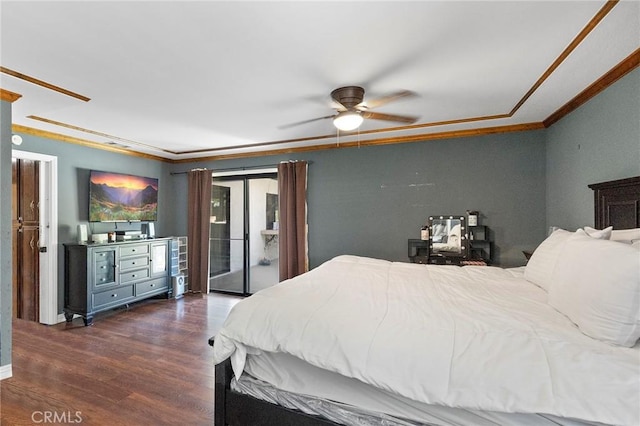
(74,165)
(5,234)
(368,201)
(600,141)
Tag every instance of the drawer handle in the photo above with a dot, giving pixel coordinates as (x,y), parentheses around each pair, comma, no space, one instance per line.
(114,295)
(133,263)
(133,275)
(152,285)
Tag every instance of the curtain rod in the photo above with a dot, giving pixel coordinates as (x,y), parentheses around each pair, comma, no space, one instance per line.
(231,169)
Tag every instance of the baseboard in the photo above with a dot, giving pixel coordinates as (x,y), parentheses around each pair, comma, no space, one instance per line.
(5,372)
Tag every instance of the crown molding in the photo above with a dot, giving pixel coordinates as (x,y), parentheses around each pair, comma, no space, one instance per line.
(16,128)
(376,142)
(627,65)
(591,25)
(6,95)
(44,84)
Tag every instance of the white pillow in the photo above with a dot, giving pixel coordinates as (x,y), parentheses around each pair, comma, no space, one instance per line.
(596,283)
(600,234)
(543,260)
(625,234)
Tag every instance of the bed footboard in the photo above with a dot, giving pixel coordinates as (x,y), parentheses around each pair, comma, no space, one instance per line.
(233,408)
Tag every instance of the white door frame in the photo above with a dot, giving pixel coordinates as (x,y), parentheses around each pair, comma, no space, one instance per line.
(48,233)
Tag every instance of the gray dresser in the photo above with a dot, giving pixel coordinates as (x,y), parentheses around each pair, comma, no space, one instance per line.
(99,277)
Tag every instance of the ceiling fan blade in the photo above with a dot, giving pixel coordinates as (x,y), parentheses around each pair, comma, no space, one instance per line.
(286,126)
(389,117)
(375,103)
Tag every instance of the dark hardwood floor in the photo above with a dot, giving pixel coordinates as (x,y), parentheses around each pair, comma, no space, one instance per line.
(146,365)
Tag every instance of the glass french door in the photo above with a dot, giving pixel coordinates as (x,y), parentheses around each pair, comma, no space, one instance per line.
(243,235)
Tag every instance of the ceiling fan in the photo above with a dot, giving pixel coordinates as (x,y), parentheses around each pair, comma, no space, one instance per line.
(352,109)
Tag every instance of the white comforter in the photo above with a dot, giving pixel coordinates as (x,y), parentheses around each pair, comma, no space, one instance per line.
(473,337)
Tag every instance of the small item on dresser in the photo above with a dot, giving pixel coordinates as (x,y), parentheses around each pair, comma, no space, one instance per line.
(473,218)
(424,233)
(83,237)
(99,238)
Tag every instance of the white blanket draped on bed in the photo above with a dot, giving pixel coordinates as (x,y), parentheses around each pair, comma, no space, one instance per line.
(473,337)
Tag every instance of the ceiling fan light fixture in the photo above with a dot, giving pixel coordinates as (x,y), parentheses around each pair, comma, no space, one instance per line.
(348,120)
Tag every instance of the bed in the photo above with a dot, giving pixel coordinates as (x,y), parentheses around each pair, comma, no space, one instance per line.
(367,341)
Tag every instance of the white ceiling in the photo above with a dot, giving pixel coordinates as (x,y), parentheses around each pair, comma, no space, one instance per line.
(168,77)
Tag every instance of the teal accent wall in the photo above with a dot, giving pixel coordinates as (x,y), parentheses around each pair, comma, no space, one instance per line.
(6,304)
(369,201)
(598,142)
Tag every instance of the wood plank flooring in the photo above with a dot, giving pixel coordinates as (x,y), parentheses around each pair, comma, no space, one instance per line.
(146,365)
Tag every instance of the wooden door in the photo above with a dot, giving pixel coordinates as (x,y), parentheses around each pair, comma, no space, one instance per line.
(25,221)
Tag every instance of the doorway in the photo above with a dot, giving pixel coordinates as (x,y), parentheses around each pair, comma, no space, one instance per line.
(244,233)
(44,241)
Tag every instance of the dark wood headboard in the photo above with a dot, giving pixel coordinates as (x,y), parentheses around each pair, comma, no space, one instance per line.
(617,203)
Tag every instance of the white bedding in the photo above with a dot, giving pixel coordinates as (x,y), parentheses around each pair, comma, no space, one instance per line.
(479,338)
(312,387)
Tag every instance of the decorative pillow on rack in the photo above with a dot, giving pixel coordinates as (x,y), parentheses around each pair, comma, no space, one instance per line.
(596,283)
(543,260)
(600,234)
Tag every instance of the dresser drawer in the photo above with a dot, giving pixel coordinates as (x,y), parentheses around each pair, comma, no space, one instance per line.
(134,249)
(102,279)
(104,272)
(140,274)
(151,286)
(134,262)
(104,256)
(113,296)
